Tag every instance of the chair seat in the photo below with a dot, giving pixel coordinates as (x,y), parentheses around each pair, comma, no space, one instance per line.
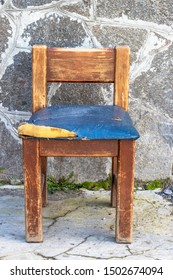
(88,122)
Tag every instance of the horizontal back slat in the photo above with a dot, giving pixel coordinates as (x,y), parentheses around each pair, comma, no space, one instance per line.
(86,65)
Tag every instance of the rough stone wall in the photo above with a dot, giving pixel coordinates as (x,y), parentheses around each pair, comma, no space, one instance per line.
(145,25)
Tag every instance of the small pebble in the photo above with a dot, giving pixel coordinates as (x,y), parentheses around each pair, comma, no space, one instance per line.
(168,191)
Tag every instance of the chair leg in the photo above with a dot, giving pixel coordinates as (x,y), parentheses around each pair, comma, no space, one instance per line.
(125,190)
(44,180)
(114,182)
(33,193)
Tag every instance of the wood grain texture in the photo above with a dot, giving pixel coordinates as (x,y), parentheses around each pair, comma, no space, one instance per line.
(101,148)
(122,65)
(114,182)
(39,77)
(44,180)
(125,190)
(84,65)
(33,191)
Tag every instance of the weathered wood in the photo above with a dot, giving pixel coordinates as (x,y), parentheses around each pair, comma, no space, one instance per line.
(125,190)
(80,65)
(121,84)
(114,182)
(44,180)
(33,192)
(121,87)
(66,148)
(39,77)
(86,65)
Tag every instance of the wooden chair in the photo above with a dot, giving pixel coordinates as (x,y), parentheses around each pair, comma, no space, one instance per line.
(104,131)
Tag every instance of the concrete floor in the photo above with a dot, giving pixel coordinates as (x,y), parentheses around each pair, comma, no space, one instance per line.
(82,228)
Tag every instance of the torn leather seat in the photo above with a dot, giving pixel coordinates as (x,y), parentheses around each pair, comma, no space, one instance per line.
(80,122)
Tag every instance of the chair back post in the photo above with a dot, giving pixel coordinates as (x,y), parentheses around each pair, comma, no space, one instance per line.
(121,83)
(39,77)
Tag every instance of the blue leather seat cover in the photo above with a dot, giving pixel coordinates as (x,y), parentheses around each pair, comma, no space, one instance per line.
(88,122)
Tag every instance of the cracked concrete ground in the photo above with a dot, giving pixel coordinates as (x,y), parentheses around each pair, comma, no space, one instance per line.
(81,226)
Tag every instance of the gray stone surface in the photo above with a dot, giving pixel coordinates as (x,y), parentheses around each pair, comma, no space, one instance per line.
(146,26)
(110,36)
(82,8)
(15,84)
(147,10)
(21,4)
(84,169)
(5,34)
(10,161)
(82,94)
(82,228)
(56,30)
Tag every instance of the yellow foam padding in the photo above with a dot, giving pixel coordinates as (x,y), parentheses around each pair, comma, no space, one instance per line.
(44,131)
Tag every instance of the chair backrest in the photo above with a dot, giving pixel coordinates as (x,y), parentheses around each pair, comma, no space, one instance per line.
(80,65)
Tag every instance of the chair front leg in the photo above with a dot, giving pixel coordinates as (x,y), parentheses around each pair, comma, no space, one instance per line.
(33,191)
(125,191)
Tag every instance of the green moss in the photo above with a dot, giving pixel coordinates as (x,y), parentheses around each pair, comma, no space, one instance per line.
(67,184)
(152,185)
(1,169)
(64,184)
(4,182)
(156,184)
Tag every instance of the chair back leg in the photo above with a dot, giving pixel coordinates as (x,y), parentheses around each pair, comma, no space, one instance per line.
(114,182)
(44,180)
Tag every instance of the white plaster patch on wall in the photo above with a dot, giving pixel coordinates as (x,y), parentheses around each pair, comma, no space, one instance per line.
(96,43)
(108,95)
(52,91)
(92,10)
(27,18)
(70,3)
(11,38)
(108,165)
(153,42)
(152,46)
(9,126)
(86,43)
(10,60)
(162,29)
(10,118)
